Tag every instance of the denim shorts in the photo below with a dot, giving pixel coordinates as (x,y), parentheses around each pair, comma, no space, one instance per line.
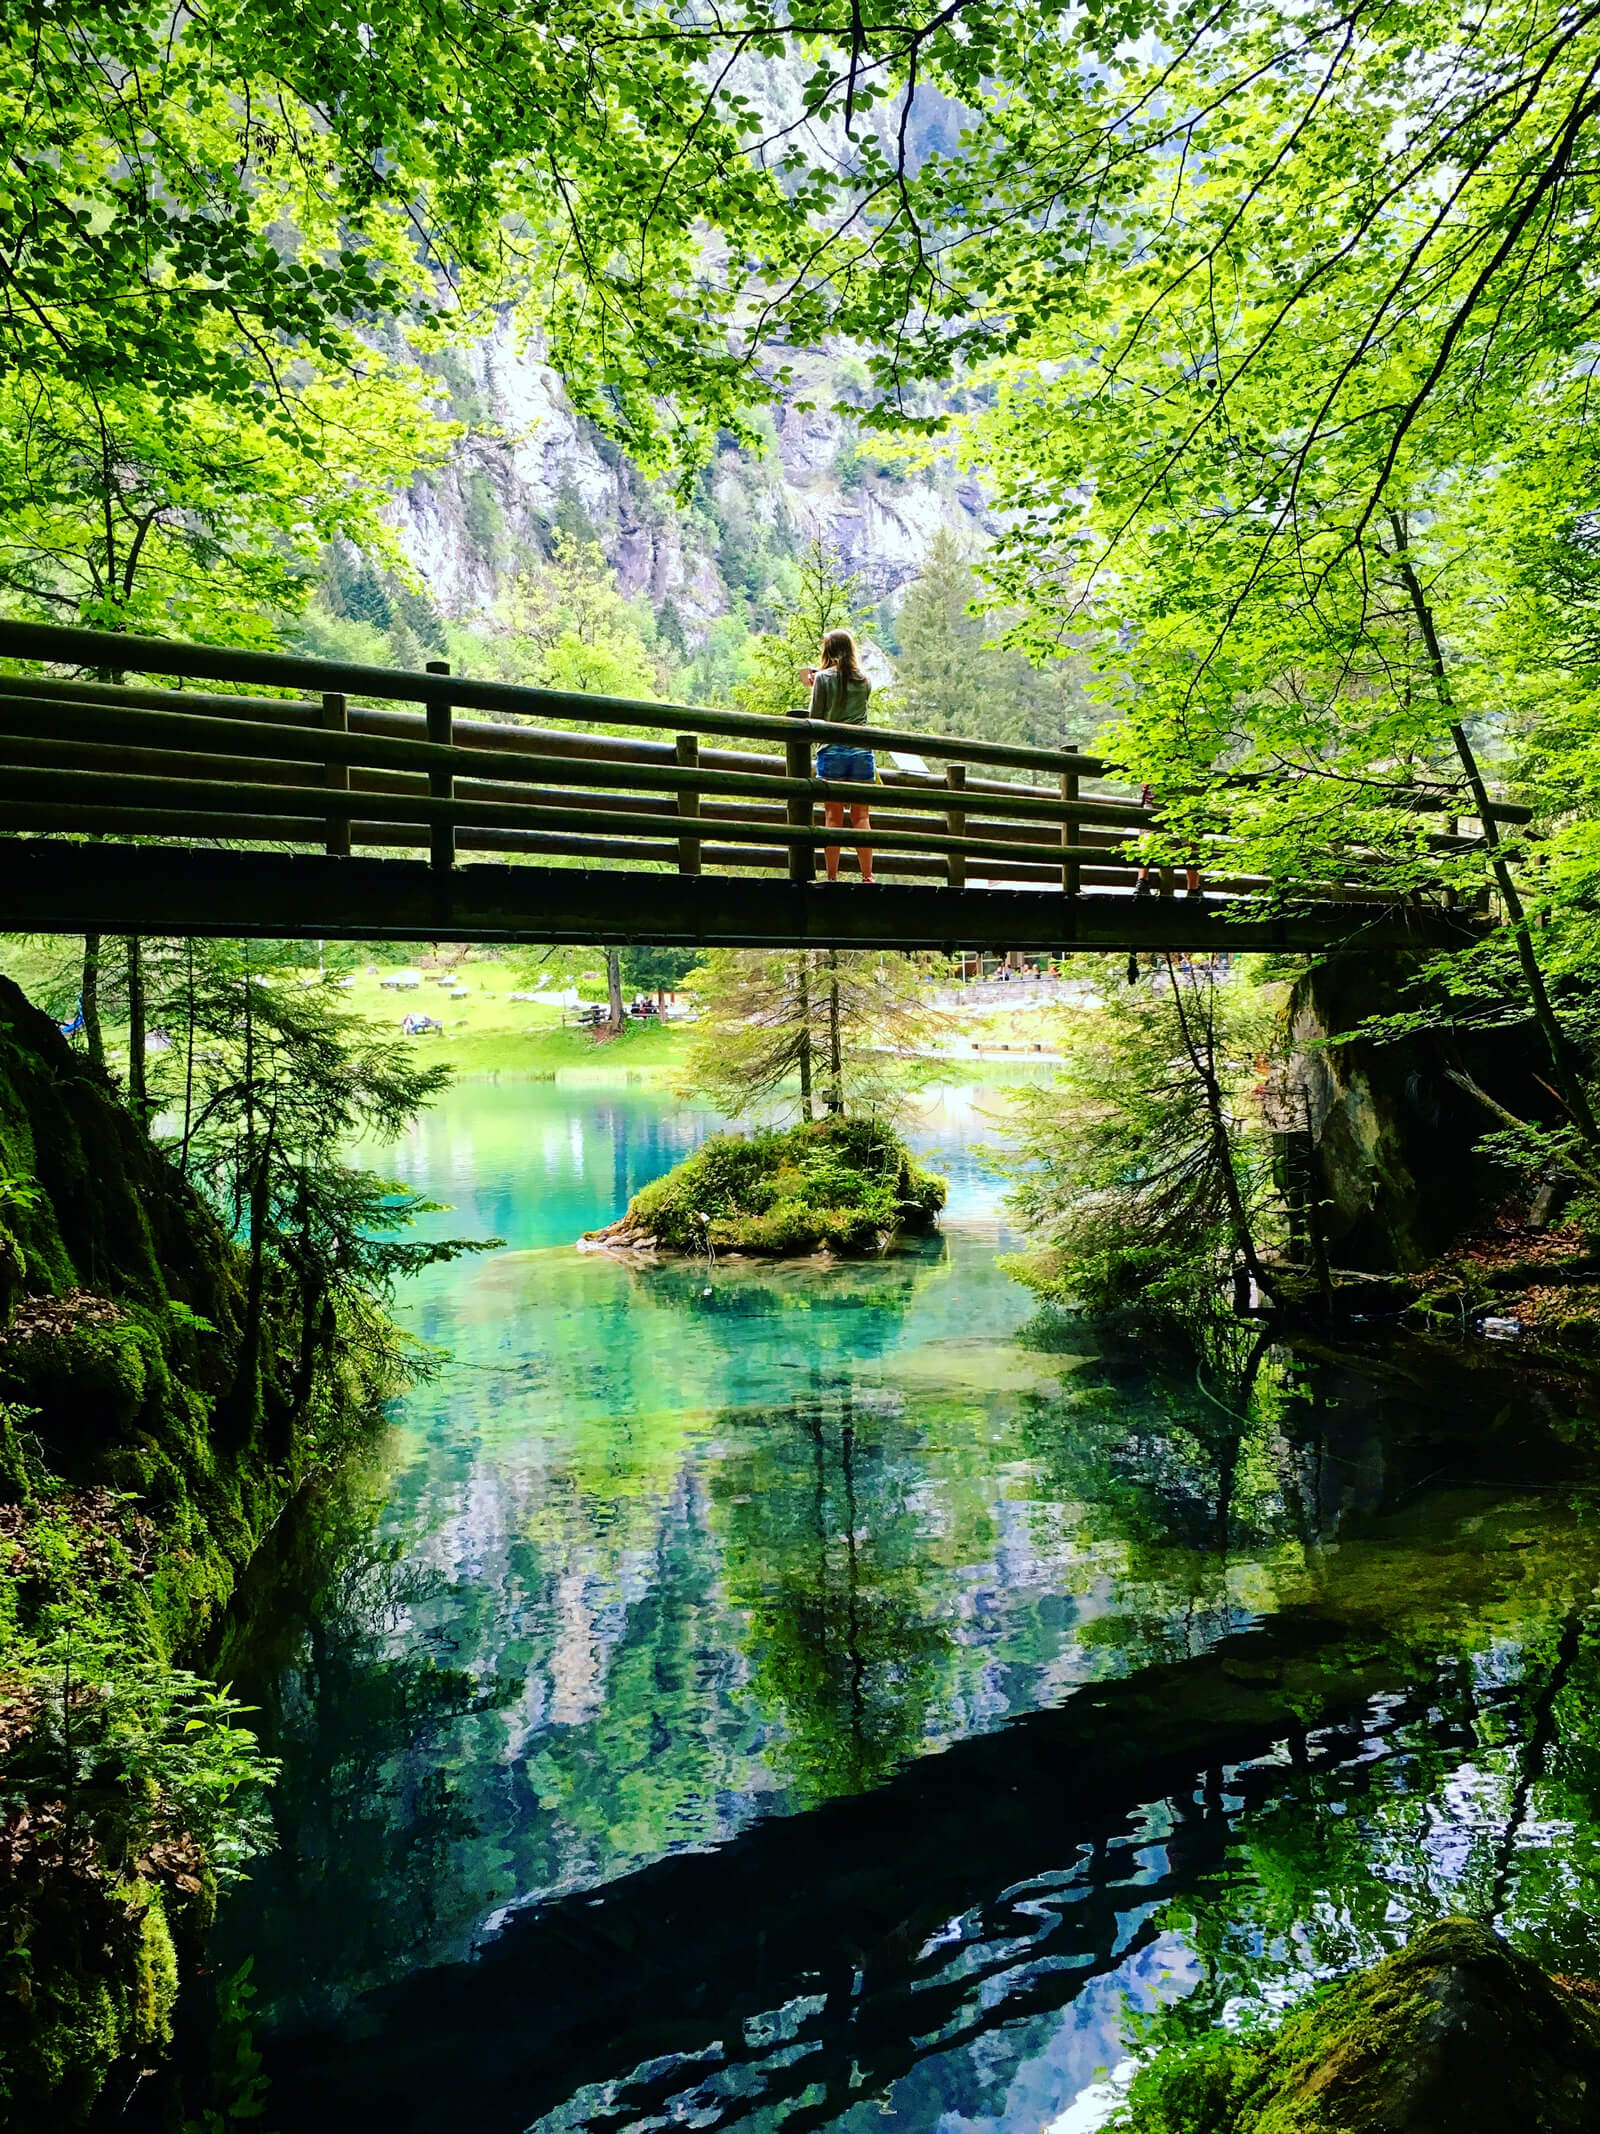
(836,761)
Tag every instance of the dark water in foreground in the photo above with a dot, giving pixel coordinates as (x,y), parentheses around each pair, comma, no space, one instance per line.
(830,1701)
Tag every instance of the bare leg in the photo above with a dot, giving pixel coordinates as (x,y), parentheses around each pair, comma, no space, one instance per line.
(861,819)
(833,817)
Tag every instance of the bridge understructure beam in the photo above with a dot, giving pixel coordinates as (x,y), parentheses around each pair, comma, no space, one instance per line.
(47,886)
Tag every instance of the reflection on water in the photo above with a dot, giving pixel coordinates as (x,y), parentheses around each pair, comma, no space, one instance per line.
(819,1697)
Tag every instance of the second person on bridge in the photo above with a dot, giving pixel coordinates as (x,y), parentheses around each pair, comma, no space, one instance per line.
(840,692)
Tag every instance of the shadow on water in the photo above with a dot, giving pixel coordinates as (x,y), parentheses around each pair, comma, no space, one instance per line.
(911,1906)
(826,1701)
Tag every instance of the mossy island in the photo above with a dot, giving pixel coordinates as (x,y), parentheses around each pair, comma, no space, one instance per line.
(845,1187)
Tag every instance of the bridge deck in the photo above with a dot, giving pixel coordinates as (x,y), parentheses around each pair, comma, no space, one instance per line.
(51,887)
(184,810)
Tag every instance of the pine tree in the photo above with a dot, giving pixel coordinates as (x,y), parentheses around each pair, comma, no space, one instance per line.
(830,598)
(955,676)
(1143,1168)
(790,1028)
(942,666)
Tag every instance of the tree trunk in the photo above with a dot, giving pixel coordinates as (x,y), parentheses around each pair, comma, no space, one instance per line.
(808,1110)
(1204,1065)
(90,999)
(1509,1118)
(138,1094)
(1573,1093)
(1538,1740)
(245,1394)
(312,1300)
(835,1053)
(242,1176)
(614,986)
(251,1203)
(188,1065)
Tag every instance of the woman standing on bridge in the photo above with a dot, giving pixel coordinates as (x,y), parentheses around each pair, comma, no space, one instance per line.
(839,691)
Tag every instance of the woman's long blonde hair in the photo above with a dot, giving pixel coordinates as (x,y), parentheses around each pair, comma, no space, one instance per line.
(839,651)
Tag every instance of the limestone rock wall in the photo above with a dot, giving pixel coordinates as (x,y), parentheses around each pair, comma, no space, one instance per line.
(527,458)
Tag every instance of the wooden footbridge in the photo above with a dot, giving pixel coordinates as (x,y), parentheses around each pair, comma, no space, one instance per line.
(198,808)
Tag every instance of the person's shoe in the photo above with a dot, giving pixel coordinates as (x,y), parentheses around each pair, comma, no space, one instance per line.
(869,881)
(1197,893)
(1144,889)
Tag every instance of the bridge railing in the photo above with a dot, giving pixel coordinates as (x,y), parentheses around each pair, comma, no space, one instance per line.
(340,765)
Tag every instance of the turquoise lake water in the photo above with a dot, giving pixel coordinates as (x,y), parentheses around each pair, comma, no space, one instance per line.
(836,1697)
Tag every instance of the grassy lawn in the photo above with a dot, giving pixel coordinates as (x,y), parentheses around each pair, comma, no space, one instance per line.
(485,1032)
(489,1033)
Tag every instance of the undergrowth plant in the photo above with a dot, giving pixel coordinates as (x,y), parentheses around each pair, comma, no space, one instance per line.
(1143,1170)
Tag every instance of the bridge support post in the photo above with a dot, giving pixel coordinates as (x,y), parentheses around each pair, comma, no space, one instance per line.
(797,764)
(955,777)
(688,754)
(441,784)
(336,720)
(1069,831)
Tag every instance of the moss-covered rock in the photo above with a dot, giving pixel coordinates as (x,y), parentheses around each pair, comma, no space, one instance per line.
(839,1185)
(90,1974)
(94,1204)
(1457,2034)
(93,1362)
(127,1509)
(1395,1168)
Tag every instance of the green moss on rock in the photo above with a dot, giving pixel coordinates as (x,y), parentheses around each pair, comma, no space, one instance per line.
(107,1368)
(100,1206)
(1457,2034)
(127,1512)
(91,1979)
(840,1185)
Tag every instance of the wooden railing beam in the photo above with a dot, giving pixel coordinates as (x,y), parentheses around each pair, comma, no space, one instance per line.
(145,655)
(505,738)
(109,725)
(184,771)
(111,788)
(112,651)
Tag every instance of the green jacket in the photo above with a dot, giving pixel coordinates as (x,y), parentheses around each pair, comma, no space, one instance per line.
(847,705)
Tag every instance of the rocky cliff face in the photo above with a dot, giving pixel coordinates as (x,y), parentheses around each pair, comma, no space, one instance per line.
(529,462)
(1395,1169)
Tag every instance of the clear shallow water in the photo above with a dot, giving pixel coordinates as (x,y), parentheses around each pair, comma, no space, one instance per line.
(828,1699)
